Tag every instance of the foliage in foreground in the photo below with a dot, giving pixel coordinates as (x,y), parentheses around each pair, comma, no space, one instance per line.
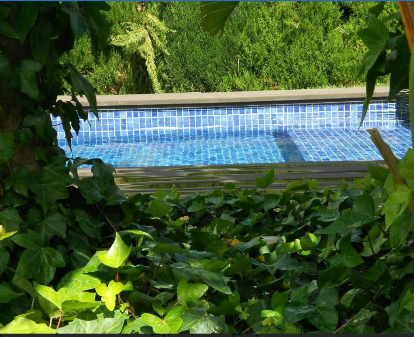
(306,260)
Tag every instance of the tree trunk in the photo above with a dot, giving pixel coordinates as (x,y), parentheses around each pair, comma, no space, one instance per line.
(12,110)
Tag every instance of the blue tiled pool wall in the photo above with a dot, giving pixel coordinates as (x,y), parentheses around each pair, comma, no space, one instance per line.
(152,124)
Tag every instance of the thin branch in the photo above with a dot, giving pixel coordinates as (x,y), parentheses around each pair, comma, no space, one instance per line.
(344,325)
(109,221)
(149,274)
(383,231)
(390,160)
(60,320)
(370,243)
(135,218)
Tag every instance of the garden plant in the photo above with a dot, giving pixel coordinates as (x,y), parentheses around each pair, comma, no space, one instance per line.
(79,256)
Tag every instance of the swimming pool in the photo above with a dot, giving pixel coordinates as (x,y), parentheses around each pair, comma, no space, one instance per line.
(246,134)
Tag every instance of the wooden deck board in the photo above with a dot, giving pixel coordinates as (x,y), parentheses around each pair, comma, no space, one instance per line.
(189,179)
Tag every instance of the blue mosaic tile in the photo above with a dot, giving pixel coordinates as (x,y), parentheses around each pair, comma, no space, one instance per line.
(240,134)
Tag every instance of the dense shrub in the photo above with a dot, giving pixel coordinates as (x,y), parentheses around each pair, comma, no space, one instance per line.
(266,46)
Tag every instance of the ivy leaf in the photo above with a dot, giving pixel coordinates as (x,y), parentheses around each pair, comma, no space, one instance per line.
(266,180)
(99,326)
(40,38)
(169,325)
(101,185)
(7,30)
(359,324)
(157,208)
(209,325)
(27,240)
(25,17)
(10,219)
(40,264)
(79,281)
(6,147)
(138,233)
(7,294)
(4,259)
(349,257)
(327,315)
(82,86)
(54,224)
(25,78)
(400,228)
(4,64)
(19,181)
(89,225)
(116,255)
(399,75)
(363,212)
(396,203)
(215,14)
(109,293)
(190,292)
(166,248)
(375,37)
(64,300)
(271,201)
(22,325)
(193,316)
(214,280)
(52,184)
(49,294)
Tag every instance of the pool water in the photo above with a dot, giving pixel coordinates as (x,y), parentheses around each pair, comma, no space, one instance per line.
(238,135)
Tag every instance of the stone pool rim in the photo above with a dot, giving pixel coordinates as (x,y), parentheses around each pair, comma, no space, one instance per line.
(197,99)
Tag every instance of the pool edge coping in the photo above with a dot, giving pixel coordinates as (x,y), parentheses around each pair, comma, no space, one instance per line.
(231,98)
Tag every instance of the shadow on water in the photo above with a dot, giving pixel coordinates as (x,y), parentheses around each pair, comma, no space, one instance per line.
(288,148)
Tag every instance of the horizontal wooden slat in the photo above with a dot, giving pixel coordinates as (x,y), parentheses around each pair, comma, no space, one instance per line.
(208,177)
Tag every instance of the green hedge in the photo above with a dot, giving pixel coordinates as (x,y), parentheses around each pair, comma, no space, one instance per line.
(266,46)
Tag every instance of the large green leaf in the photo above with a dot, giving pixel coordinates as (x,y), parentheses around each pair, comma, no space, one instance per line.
(54,224)
(109,293)
(6,147)
(82,86)
(348,257)
(4,65)
(116,255)
(7,294)
(40,38)
(7,30)
(400,228)
(214,280)
(89,225)
(266,180)
(215,14)
(22,325)
(327,315)
(399,75)
(190,292)
(10,219)
(163,248)
(76,279)
(25,78)
(40,264)
(19,181)
(362,213)
(169,325)
(375,37)
(4,259)
(25,17)
(100,326)
(157,208)
(52,184)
